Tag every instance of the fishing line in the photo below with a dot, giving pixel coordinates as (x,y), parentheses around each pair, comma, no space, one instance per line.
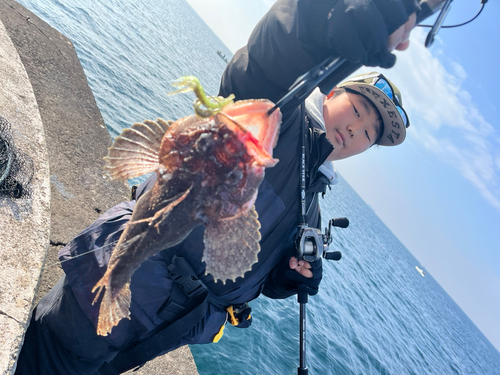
(79,255)
(463,23)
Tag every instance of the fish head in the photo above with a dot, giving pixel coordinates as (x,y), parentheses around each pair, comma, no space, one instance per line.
(223,156)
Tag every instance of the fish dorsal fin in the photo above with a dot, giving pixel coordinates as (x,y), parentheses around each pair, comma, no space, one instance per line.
(135,151)
(231,246)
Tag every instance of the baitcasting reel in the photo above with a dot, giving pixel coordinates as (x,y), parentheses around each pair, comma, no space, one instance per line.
(312,244)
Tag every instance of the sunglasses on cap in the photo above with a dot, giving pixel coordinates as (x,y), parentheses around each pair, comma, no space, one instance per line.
(384,85)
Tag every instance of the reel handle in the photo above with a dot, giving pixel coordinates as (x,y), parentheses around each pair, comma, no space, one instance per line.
(341,222)
(332,255)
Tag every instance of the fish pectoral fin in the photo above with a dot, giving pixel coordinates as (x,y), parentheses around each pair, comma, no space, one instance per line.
(231,246)
(135,151)
(113,308)
(163,213)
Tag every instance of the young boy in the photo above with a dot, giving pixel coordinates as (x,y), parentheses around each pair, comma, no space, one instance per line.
(165,314)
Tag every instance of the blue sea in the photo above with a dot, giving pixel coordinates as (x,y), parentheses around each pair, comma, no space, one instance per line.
(374,314)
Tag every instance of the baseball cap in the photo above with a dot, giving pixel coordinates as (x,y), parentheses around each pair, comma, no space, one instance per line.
(386,97)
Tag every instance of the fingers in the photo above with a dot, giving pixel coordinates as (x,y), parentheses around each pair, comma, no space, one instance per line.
(304,271)
(303,267)
(408,27)
(403,46)
(399,39)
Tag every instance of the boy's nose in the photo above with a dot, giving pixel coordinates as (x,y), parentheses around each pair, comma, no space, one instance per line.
(353,130)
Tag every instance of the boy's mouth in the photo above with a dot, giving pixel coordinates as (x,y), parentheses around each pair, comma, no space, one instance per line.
(340,138)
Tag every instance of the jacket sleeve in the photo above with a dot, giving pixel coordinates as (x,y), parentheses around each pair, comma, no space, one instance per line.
(281,48)
(278,285)
(296,35)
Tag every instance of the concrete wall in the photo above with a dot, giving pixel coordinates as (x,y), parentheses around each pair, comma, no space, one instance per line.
(25,222)
(45,95)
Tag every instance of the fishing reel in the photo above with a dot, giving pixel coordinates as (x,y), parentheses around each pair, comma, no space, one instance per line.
(312,244)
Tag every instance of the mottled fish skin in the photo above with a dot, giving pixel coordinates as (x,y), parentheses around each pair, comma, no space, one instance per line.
(209,171)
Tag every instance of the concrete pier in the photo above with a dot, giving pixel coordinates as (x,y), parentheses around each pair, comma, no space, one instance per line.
(45,96)
(24,222)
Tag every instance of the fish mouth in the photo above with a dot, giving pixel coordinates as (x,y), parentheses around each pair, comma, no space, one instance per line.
(252,115)
(258,131)
(254,147)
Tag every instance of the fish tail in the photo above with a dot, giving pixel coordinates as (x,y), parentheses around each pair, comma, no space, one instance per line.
(113,308)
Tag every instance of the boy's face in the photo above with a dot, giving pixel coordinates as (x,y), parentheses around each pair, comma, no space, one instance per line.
(352,124)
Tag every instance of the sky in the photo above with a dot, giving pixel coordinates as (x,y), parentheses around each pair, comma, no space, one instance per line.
(439,192)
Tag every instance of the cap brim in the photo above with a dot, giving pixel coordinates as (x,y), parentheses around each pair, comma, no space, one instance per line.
(394,127)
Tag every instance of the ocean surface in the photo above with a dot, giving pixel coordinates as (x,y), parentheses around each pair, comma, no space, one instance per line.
(374,314)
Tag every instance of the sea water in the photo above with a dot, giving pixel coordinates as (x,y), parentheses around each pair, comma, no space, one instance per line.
(374,313)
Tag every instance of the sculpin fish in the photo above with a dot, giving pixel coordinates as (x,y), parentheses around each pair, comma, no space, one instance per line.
(209,170)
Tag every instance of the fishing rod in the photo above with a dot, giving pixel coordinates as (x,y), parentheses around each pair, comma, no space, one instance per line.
(312,246)
(311,243)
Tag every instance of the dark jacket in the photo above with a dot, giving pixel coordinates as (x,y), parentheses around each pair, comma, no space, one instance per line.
(253,72)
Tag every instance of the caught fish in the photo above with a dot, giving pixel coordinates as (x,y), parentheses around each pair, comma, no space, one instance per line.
(209,170)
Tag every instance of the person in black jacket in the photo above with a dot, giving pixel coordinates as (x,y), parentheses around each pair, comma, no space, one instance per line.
(173,302)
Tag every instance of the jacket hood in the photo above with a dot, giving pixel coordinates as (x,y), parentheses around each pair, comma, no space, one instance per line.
(314,109)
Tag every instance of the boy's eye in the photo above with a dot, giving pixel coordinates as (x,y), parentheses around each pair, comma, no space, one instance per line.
(355,111)
(368,136)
